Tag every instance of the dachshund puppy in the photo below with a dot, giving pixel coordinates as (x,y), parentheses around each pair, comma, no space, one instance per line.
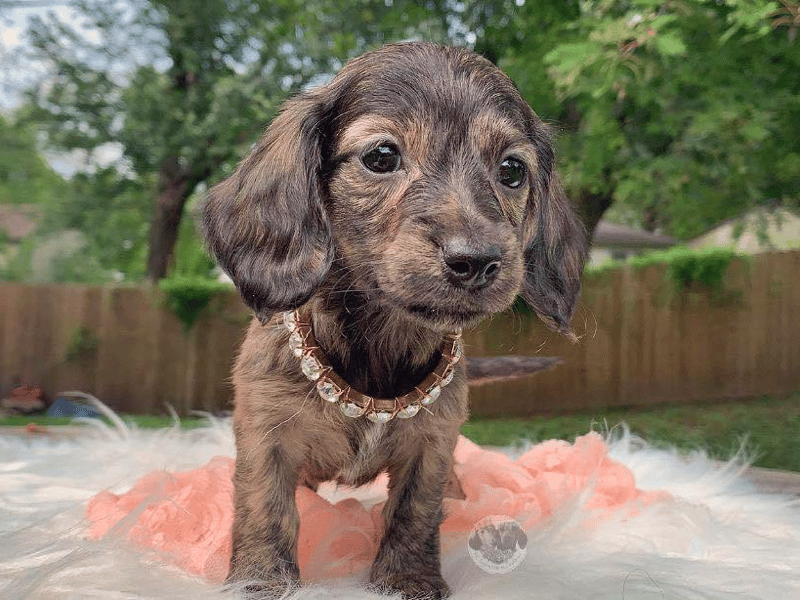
(410,197)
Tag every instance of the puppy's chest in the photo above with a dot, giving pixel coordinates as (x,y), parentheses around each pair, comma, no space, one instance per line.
(369,448)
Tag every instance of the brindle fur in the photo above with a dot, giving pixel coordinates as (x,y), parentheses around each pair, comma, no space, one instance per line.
(302,221)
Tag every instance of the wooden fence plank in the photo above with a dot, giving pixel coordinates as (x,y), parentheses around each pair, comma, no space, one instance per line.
(12,319)
(792,320)
(170,368)
(80,307)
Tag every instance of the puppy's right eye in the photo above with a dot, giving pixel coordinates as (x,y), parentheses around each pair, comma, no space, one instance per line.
(511,173)
(383,159)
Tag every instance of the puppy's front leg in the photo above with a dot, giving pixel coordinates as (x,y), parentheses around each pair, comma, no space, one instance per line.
(408,557)
(265,521)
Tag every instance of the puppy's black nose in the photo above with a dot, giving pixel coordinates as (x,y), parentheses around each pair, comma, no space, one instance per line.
(470,264)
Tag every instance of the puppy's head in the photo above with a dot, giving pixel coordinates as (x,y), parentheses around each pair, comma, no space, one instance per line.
(424,175)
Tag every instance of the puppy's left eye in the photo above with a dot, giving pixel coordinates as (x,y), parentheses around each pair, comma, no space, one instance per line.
(511,173)
(383,159)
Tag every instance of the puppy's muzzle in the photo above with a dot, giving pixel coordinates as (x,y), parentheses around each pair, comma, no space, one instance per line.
(470,264)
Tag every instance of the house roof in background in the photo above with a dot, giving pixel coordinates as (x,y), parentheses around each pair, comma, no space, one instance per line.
(758,230)
(612,235)
(19,220)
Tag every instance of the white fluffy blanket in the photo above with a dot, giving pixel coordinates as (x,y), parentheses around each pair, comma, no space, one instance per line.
(716,537)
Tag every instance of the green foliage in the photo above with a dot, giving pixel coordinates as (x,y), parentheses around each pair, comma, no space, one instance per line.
(680,111)
(177,88)
(82,343)
(517,36)
(191,256)
(187,296)
(40,259)
(17,265)
(80,266)
(112,212)
(139,421)
(109,210)
(769,426)
(604,268)
(181,90)
(5,251)
(25,177)
(686,267)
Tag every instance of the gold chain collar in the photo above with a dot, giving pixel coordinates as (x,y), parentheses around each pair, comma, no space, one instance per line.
(332,388)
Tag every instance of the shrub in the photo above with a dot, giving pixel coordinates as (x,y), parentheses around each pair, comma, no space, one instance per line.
(188,295)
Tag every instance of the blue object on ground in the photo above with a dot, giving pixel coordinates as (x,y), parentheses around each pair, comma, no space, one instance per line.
(68,408)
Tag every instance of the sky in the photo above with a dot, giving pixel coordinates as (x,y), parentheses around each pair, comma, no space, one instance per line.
(17,72)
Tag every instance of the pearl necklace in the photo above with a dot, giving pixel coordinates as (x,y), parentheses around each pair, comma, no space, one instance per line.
(332,388)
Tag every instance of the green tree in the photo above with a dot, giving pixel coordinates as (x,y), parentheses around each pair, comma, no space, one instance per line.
(181,88)
(25,177)
(682,113)
(112,213)
(678,112)
(176,86)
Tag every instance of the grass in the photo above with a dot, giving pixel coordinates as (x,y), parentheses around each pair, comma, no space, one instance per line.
(141,421)
(769,427)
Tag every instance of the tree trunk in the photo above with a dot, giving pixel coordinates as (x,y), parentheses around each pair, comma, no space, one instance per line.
(173,191)
(591,207)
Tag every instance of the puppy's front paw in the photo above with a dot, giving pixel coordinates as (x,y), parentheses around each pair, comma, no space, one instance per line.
(413,586)
(268,589)
(279,584)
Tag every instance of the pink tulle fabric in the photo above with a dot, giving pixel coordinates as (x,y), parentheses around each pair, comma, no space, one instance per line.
(186,517)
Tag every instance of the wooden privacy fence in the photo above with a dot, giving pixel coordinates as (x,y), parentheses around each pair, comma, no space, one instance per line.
(645,343)
(642,343)
(121,344)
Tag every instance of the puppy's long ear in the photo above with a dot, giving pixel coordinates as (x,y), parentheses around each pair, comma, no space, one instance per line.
(266,224)
(555,246)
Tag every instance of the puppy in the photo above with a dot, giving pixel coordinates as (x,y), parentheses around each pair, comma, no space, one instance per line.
(410,197)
